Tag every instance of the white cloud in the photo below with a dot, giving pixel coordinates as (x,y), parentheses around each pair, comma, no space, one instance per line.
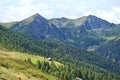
(12,10)
(106,15)
(111,16)
(116,9)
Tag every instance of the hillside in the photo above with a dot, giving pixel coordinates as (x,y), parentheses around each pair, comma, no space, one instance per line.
(92,34)
(9,24)
(110,50)
(13,67)
(77,58)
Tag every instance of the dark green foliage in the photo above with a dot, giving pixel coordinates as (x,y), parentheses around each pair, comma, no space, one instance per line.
(70,72)
(63,72)
(15,41)
(110,50)
(90,33)
(87,32)
(58,51)
(39,64)
(76,55)
(29,61)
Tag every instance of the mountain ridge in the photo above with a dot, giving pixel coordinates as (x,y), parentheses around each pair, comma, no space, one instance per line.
(82,21)
(88,32)
(37,27)
(58,51)
(73,50)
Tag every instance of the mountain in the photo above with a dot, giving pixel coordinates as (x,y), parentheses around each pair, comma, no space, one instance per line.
(89,22)
(81,63)
(85,32)
(93,22)
(88,32)
(37,27)
(91,33)
(58,51)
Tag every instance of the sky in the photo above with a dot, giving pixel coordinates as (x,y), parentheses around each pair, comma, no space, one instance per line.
(16,10)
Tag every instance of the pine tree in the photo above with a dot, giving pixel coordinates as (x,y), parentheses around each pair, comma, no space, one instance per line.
(38,64)
(47,66)
(29,60)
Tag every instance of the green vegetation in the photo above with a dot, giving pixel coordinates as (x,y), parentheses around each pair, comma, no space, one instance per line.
(88,32)
(12,67)
(72,59)
(111,50)
(16,65)
(93,34)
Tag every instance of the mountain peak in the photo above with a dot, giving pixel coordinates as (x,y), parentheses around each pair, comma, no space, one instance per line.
(36,14)
(95,18)
(93,22)
(37,27)
(91,15)
(36,17)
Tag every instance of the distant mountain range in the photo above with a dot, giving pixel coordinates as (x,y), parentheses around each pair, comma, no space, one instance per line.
(88,32)
(89,22)
(87,48)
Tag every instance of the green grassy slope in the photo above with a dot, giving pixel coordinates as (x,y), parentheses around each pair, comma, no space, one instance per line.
(13,67)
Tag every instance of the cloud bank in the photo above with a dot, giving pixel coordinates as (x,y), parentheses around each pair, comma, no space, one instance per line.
(16,10)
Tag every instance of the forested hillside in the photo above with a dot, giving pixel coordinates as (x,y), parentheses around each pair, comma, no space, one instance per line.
(92,67)
(87,32)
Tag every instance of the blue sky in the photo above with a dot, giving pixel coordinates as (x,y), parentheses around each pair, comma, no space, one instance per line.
(16,10)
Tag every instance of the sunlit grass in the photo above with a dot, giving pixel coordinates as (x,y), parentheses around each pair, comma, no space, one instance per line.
(13,67)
